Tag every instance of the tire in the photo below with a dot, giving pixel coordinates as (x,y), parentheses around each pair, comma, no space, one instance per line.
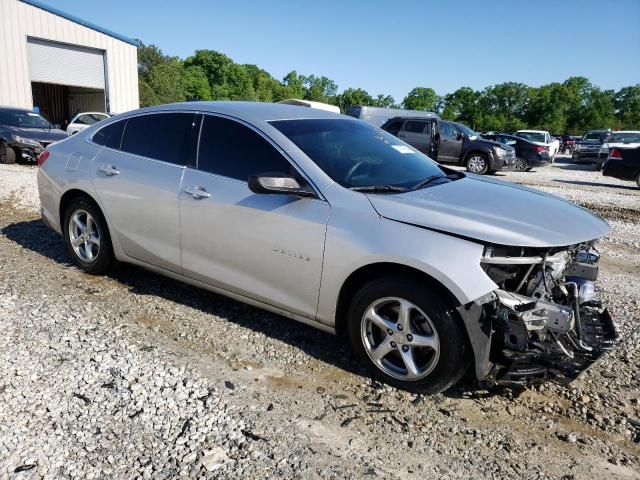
(598,167)
(521,164)
(529,169)
(638,179)
(477,163)
(94,252)
(7,154)
(431,321)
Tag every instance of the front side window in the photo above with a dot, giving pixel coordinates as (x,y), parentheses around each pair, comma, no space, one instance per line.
(447,130)
(161,136)
(356,154)
(111,135)
(230,149)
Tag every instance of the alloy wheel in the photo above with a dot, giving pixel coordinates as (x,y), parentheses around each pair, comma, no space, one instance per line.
(521,164)
(84,235)
(476,164)
(400,338)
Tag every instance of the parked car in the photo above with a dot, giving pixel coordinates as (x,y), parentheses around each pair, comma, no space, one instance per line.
(24,134)
(587,148)
(460,145)
(452,142)
(626,138)
(623,163)
(528,154)
(543,138)
(335,223)
(83,120)
(420,133)
(378,115)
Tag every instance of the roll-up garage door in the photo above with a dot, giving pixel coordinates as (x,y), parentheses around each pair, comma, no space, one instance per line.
(65,64)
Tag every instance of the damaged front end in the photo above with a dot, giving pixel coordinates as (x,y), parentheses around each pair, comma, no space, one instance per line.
(544,321)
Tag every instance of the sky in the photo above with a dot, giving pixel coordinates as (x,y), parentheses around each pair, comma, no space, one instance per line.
(392,47)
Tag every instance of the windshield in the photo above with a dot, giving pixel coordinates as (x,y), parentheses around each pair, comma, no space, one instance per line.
(22,119)
(533,136)
(356,154)
(466,130)
(626,137)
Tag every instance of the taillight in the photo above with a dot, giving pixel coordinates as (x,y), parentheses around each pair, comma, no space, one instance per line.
(615,153)
(43,157)
(539,149)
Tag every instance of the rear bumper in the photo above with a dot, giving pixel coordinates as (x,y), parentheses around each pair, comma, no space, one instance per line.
(585,156)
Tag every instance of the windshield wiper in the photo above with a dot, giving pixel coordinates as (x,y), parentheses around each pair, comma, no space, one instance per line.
(379,189)
(433,178)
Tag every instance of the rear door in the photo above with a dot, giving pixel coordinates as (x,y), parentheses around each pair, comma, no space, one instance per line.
(268,247)
(414,132)
(137,179)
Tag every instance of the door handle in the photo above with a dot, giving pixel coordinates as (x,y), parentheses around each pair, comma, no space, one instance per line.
(109,170)
(197,192)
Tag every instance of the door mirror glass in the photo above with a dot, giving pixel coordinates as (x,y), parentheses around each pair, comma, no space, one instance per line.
(278,183)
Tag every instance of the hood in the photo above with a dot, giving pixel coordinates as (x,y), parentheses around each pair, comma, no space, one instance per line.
(39,134)
(493,211)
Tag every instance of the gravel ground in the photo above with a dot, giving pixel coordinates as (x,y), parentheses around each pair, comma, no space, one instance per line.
(134,375)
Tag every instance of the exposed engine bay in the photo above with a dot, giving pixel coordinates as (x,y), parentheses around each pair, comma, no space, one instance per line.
(546,322)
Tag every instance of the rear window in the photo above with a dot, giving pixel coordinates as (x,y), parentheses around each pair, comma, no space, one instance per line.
(163,136)
(415,126)
(111,135)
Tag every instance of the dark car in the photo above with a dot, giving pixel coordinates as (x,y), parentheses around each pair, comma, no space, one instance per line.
(452,142)
(528,154)
(623,163)
(24,134)
(586,149)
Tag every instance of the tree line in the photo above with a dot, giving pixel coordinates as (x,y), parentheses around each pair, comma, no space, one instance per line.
(571,107)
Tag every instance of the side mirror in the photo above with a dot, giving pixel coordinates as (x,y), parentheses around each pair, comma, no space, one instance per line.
(278,183)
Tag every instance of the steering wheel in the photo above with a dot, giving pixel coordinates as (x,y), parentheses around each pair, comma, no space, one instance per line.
(353,170)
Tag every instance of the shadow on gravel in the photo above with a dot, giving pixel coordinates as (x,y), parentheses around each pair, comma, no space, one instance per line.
(37,237)
(596,184)
(578,167)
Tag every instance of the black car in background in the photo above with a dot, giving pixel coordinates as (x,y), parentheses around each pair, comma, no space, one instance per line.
(623,163)
(24,134)
(586,149)
(452,142)
(528,154)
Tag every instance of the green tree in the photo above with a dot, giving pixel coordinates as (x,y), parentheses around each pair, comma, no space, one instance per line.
(421,98)
(149,56)
(385,101)
(320,89)
(196,85)
(462,105)
(355,96)
(627,106)
(294,85)
(167,82)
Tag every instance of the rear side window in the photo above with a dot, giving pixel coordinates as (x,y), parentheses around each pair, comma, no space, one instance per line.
(89,119)
(414,126)
(394,126)
(162,136)
(230,149)
(111,135)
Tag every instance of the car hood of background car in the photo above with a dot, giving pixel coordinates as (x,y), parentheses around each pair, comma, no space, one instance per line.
(39,134)
(493,211)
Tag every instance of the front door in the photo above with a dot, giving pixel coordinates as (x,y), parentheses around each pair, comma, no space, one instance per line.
(263,246)
(450,144)
(137,178)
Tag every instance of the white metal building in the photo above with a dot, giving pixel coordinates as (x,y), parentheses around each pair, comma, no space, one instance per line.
(63,65)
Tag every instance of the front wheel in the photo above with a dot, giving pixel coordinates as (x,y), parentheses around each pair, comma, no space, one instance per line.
(408,336)
(87,237)
(477,163)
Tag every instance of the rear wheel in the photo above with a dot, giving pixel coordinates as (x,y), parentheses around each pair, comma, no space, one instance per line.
(521,164)
(477,163)
(408,336)
(87,237)
(7,154)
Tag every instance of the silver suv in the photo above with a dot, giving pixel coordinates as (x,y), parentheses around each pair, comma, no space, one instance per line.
(335,223)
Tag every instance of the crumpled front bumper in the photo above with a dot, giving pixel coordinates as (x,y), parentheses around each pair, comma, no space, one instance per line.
(598,335)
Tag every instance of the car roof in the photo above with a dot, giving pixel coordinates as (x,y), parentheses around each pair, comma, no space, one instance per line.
(249,111)
(626,131)
(17,109)
(531,131)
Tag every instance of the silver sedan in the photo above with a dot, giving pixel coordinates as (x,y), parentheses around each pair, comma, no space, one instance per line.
(332,222)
